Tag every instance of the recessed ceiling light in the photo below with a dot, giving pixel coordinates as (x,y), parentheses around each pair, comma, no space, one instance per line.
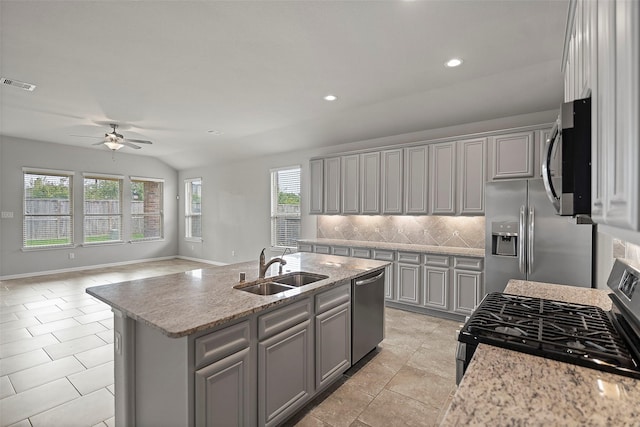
(453,62)
(215,132)
(330,98)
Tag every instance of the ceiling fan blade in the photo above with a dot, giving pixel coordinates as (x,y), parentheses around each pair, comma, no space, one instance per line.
(139,141)
(130,145)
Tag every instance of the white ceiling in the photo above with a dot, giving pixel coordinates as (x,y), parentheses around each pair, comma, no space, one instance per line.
(258,71)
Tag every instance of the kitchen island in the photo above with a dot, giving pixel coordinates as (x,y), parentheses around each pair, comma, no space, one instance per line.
(506,388)
(192,349)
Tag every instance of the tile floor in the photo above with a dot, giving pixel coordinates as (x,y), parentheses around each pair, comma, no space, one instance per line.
(56,359)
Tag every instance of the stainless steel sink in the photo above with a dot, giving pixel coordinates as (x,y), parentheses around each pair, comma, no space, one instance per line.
(299,278)
(278,284)
(267,288)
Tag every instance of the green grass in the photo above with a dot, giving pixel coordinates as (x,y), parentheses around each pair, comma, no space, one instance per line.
(48,242)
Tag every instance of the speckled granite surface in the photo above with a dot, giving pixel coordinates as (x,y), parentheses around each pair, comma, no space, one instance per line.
(427,249)
(184,303)
(508,388)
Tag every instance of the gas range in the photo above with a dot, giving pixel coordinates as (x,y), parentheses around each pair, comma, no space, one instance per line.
(573,333)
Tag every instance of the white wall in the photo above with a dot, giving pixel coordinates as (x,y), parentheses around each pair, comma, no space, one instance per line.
(18,153)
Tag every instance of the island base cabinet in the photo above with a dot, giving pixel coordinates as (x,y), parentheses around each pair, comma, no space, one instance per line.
(333,344)
(285,373)
(222,392)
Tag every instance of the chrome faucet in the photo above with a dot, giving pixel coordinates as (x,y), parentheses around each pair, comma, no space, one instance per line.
(264,266)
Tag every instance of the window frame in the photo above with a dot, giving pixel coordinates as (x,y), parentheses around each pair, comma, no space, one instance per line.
(48,172)
(159,213)
(188,213)
(273,219)
(86,216)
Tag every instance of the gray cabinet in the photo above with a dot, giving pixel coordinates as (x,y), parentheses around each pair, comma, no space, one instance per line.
(305,247)
(442,181)
(408,278)
(467,284)
(350,184)
(322,249)
(285,362)
(316,186)
(370,183)
(436,282)
(471,176)
(392,181)
(332,334)
(222,382)
(512,156)
(541,141)
(332,185)
(416,180)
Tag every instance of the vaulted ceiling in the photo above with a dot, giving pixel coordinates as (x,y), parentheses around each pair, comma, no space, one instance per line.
(214,81)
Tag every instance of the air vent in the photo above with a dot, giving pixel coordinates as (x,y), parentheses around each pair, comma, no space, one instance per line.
(17,83)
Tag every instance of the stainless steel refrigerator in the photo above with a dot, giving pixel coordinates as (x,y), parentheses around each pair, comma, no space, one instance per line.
(526,240)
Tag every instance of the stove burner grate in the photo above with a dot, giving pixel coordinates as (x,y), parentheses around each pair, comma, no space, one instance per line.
(569,332)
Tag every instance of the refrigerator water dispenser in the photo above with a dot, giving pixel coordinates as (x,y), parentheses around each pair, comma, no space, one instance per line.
(504,238)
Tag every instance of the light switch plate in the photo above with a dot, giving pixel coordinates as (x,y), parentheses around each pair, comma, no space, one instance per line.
(7,214)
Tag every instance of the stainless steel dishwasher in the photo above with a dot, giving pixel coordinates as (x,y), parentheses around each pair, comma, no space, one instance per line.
(367,314)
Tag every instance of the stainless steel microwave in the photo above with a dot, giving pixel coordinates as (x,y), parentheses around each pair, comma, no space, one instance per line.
(570,192)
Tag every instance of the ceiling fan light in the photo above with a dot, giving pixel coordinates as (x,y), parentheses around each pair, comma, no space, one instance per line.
(113,145)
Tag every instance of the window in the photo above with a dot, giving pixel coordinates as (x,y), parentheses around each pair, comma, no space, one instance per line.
(48,209)
(193,208)
(285,207)
(102,209)
(146,209)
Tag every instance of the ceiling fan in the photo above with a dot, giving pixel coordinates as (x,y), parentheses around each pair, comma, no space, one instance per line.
(115,141)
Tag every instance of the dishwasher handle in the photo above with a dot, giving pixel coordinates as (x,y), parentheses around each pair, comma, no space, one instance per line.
(370,280)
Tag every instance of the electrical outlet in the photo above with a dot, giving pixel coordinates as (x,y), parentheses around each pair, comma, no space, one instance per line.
(72,255)
(355,228)
(400,230)
(193,247)
(233,253)
(117,342)
(336,228)
(377,229)
(456,233)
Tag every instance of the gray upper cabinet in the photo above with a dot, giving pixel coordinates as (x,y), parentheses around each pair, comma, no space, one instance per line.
(332,185)
(443,178)
(316,188)
(351,184)
(512,156)
(471,175)
(370,182)
(392,181)
(416,180)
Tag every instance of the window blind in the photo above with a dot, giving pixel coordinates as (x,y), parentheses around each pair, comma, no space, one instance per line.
(285,207)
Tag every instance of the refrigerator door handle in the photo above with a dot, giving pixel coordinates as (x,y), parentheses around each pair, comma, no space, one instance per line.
(546,166)
(521,238)
(530,240)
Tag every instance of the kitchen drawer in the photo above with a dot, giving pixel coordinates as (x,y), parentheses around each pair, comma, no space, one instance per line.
(321,249)
(437,260)
(383,255)
(339,250)
(467,263)
(333,298)
(305,247)
(409,257)
(220,344)
(361,253)
(283,318)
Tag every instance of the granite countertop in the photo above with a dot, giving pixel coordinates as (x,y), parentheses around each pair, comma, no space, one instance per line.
(507,388)
(184,303)
(430,249)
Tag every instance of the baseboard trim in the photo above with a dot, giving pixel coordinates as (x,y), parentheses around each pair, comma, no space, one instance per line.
(204,261)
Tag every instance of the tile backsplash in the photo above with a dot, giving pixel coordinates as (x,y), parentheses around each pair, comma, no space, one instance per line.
(622,249)
(455,231)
